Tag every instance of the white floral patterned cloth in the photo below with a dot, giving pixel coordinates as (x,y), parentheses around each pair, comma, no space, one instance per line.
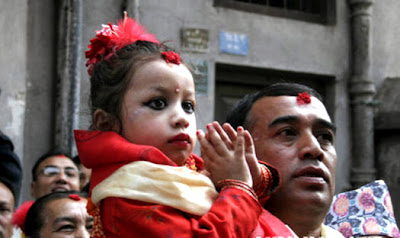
(364,211)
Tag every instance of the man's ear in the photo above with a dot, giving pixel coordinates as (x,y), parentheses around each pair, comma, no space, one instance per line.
(104,121)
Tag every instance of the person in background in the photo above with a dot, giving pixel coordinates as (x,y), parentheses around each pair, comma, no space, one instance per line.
(59,214)
(10,184)
(85,173)
(293,132)
(53,172)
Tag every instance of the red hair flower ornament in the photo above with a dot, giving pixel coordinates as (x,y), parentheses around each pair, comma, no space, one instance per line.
(171,57)
(112,38)
(19,215)
(303,98)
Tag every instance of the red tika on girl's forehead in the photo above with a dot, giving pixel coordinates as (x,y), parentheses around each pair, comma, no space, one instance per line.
(303,98)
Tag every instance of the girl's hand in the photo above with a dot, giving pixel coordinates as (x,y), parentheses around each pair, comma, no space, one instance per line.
(250,152)
(223,159)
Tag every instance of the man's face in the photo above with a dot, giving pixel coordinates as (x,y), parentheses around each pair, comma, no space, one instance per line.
(66,218)
(84,177)
(298,140)
(56,173)
(6,211)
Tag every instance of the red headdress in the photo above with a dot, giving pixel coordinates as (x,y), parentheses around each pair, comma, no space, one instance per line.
(112,38)
(19,215)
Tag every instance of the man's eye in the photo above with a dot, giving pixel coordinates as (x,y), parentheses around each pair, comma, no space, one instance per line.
(288,132)
(188,106)
(157,104)
(66,228)
(51,171)
(4,209)
(71,173)
(325,138)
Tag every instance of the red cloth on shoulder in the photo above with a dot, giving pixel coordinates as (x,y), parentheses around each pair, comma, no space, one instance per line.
(105,152)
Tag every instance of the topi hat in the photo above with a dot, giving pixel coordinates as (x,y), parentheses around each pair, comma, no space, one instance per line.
(366,211)
(10,167)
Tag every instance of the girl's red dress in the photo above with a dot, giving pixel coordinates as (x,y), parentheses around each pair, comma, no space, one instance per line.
(235,213)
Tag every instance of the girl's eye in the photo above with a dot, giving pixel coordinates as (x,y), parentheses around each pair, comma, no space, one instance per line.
(188,106)
(157,104)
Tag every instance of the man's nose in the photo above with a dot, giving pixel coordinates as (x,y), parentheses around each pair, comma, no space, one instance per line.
(62,176)
(310,148)
(82,232)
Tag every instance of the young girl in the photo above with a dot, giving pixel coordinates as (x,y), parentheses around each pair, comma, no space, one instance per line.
(145,180)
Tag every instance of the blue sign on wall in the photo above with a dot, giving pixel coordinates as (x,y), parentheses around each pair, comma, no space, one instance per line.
(233,43)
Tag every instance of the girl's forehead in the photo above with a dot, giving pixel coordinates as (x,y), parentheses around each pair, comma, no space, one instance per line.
(160,68)
(159,74)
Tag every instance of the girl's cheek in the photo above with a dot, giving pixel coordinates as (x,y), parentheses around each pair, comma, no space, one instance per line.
(132,116)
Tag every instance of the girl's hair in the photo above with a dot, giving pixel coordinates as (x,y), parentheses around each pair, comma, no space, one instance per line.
(111,78)
(35,218)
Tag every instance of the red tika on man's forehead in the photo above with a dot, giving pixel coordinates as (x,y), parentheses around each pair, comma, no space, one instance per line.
(74,197)
(303,98)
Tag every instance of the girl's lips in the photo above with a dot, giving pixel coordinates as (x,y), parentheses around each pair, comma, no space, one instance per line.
(181,140)
(182,137)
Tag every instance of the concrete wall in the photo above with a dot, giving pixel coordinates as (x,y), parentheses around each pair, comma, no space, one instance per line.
(41,84)
(385,34)
(13,73)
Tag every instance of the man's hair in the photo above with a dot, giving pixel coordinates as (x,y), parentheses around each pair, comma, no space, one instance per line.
(35,219)
(77,160)
(238,115)
(53,152)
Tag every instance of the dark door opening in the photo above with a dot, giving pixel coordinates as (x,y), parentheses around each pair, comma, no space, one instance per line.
(233,82)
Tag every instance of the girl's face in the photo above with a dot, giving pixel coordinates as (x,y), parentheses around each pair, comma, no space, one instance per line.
(158,109)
